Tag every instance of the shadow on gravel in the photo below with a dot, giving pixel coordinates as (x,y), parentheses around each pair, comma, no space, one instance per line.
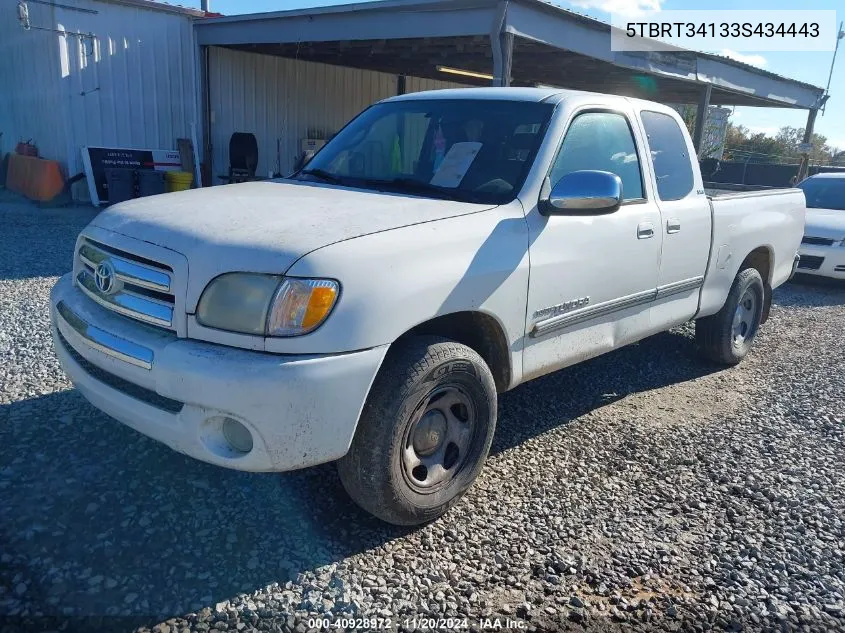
(824,292)
(99,520)
(554,400)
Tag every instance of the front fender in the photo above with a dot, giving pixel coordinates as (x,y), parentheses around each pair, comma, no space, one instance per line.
(394,280)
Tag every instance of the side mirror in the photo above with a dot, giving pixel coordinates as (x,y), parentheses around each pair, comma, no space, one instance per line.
(584,192)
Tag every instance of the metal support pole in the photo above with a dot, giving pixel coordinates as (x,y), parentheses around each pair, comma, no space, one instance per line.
(502,59)
(207,152)
(839,35)
(502,44)
(205,5)
(811,123)
(504,79)
(808,138)
(701,118)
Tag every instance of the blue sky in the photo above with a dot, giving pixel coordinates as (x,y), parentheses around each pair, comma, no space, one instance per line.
(810,67)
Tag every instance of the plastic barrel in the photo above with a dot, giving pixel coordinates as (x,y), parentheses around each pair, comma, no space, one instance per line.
(150,182)
(178,180)
(121,184)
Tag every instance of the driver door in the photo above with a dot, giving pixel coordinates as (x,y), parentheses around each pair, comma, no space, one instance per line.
(593,277)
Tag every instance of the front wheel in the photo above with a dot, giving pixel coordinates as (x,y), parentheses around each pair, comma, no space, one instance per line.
(726,337)
(424,433)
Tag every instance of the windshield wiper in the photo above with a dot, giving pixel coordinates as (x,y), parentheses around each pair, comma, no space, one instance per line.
(322,174)
(412,185)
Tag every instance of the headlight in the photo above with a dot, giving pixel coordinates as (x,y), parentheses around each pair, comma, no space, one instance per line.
(266,305)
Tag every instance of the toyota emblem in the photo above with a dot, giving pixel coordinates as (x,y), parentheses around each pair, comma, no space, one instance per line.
(104,277)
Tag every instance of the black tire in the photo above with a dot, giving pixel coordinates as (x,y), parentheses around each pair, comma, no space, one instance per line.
(416,375)
(716,337)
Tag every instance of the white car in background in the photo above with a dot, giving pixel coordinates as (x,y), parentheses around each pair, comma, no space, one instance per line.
(823,247)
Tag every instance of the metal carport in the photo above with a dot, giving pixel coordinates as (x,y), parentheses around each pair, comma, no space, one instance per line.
(508,42)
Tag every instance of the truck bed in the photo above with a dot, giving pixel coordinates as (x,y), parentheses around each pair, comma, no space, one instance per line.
(730,190)
(739,220)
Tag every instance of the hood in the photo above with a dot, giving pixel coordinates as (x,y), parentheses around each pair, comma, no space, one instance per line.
(265,226)
(827,223)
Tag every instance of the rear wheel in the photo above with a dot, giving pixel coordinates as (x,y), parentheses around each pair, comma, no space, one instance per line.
(727,336)
(424,433)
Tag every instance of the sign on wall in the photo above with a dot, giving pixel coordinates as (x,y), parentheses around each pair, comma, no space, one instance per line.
(97,159)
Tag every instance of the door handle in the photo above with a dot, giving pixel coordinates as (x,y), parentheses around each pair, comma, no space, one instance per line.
(645,230)
(673,225)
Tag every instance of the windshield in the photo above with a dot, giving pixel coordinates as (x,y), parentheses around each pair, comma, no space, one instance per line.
(461,149)
(824,193)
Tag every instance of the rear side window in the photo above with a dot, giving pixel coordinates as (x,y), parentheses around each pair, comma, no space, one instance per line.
(602,141)
(669,154)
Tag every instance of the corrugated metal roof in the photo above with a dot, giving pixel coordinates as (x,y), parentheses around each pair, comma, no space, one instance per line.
(757,69)
(158,5)
(605,26)
(433,5)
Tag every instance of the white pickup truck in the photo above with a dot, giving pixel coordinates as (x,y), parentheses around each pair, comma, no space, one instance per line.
(442,248)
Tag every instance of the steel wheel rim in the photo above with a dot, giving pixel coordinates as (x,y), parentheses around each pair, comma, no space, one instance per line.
(438,439)
(743,325)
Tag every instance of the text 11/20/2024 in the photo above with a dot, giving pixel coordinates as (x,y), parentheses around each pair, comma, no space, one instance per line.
(420,624)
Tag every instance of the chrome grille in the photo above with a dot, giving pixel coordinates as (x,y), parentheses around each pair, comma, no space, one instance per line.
(817,241)
(130,285)
(810,262)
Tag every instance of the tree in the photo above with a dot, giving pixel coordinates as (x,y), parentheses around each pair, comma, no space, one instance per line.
(792,137)
(757,147)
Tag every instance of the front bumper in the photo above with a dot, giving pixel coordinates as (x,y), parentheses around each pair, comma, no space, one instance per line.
(300,410)
(825,261)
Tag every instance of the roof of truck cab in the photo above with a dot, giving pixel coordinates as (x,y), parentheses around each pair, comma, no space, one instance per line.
(498,94)
(536,95)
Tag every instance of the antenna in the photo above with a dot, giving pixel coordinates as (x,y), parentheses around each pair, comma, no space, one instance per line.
(839,36)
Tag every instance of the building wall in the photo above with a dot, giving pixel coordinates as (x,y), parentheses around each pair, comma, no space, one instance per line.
(281,100)
(133,84)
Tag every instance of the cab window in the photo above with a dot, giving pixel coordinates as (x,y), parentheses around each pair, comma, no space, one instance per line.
(464,149)
(669,154)
(601,141)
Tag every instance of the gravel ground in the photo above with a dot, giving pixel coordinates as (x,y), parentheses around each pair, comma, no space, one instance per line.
(645,489)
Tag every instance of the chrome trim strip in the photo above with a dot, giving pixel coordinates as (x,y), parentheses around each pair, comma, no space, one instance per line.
(677,287)
(585,314)
(130,293)
(88,262)
(126,270)
(127,304)
(614,305)
(106,342)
